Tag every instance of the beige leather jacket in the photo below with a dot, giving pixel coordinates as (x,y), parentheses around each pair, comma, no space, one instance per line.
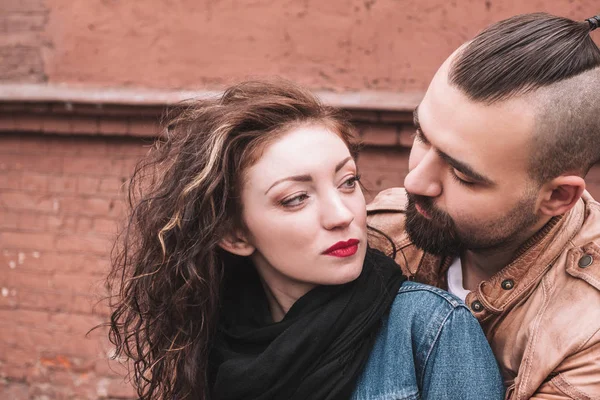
(541,313)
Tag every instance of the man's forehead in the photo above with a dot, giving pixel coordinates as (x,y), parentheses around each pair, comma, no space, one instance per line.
(487,137)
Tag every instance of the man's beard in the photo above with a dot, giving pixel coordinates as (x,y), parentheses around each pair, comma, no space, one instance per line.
(439,234)
(436,235)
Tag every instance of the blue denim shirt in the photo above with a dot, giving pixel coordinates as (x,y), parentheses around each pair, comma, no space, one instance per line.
(430,347)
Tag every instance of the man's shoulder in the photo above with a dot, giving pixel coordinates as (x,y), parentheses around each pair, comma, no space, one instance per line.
(583,254)
(386,215)
(391,200)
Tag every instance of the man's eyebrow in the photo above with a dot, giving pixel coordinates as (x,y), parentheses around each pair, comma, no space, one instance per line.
(460,166)
(416,116)
(464,168)
(308,178)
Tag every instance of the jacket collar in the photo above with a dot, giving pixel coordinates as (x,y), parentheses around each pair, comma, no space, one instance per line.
(533,259)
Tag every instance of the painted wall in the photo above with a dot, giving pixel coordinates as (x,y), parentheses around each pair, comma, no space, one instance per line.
(387,45)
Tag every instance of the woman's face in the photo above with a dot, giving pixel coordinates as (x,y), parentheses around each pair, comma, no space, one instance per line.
(301,202)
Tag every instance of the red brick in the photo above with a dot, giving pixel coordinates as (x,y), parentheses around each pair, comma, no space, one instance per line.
(45,164)
(119,389)
(385,158)
(402,117)
(29,202)
(112,126)
(133,147)
(35,319)
(28,122)
(84,243)
(50,300)
(35,144)
(24,23)
(105,366)
(62,223)
(32,222)
(106,226)
(18,280)
(88,206)
(117,209)
(7,123)
(21,62)
(87,185)
(88,146)
(27,241)
(14,390)
(83,263)
(379,135)
(85,125)
(20,356)
(11,162)
(113,185)
(17,6)
(10,143)
(143,127)
(128,166)
(62,184)
(407,136)
(25,260)
(84,224)
(364,116)
(56,124)
(91,166)
(376,181)
(10,179)
(34,182)
(8,219)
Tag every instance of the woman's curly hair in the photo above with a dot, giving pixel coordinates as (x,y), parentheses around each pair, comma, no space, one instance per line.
(167,268)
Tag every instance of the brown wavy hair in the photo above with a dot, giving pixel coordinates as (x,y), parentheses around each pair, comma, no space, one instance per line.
(167,268)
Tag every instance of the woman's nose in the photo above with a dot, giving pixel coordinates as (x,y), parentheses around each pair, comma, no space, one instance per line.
(335,213)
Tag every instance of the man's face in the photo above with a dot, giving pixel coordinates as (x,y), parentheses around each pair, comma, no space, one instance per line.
(468,180)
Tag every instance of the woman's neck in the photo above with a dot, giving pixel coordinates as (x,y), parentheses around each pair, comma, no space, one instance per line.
(282,297)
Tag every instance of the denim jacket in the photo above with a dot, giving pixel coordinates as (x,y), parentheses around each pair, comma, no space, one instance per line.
(429,347)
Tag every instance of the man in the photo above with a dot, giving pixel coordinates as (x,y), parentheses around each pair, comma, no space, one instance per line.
(496,208)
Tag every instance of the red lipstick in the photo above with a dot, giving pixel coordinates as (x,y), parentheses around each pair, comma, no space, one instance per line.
(343,249)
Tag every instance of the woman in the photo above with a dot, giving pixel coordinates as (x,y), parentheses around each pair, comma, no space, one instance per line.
(245,271)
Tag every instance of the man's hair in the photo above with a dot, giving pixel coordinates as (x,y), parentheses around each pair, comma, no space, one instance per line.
(554,60)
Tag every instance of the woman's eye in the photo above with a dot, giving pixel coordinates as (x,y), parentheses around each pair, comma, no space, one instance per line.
(350,183)
(294,201)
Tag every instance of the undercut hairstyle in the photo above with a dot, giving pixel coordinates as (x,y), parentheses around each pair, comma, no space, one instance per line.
(554,62)
(167,267)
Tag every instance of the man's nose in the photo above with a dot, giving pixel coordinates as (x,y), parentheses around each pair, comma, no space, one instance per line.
(424,176)
(335,213)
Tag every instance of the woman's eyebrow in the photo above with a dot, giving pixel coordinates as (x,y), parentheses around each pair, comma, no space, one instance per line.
(307,178)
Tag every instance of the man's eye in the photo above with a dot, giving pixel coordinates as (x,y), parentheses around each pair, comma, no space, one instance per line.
(458,179)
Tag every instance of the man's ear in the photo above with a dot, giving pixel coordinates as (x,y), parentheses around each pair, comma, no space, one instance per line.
(561,194)
(237,244)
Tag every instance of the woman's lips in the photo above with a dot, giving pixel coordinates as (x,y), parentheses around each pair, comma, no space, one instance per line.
(343,249)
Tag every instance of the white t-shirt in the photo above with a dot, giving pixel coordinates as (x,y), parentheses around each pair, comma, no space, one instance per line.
(455,280)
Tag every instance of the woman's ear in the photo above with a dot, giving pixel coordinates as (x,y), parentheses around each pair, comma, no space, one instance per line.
(237,244)
(561,194)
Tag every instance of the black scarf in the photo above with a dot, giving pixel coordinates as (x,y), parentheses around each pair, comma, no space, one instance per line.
(319,348)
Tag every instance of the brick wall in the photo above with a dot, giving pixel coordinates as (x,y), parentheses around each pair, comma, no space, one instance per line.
(22,27)
(60,201)
(61,198)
